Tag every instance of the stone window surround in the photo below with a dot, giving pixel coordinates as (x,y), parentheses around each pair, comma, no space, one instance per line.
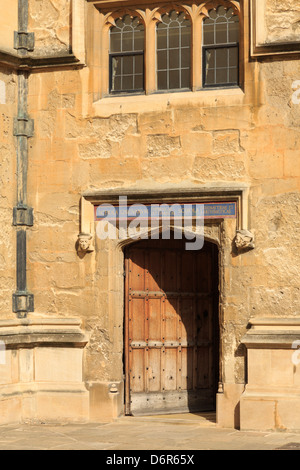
(102,14)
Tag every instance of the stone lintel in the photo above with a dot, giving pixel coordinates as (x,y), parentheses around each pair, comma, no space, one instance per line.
(217,192)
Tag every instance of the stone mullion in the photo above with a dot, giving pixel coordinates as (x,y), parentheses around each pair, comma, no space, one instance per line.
(108,22)
(196,45)
(150,19)
(196,53)
(94,50)
(150,58)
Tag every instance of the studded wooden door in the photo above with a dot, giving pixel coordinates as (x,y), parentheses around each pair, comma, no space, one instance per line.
(171,328)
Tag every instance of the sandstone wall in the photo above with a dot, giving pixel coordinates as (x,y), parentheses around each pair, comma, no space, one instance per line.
(252,139)
(282,20)
(8,24)
(250,136)
(51,22)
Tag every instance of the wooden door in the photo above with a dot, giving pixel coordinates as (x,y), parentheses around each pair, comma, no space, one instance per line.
(171,328)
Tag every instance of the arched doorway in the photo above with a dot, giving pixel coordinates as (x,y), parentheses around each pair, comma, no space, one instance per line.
(171,327)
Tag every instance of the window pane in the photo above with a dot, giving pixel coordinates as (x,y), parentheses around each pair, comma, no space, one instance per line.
(185,58)
(127,65)
(127,20)
(162,83)
(233,57)
(138,82)
(116,66)
(221,76)
(210,58)
(127,36)
(173,51)
(233,31)
(119,23)
(221,32)
(210,67)
(225,24)
(210,77)
(185,78)
(186,36)
(229,13)
(127,42)
(116,84)
(162,35)
(233,76)
(173,24)
(174,37)
(138,64)
(173,15)
(221,63)
(162,63)
(174,58)
(166,19)
(222,57)
(181,18)
(127,71)
(209,34)
(139,40)
(115,42)
(221,11)
(127,82)
(174,79)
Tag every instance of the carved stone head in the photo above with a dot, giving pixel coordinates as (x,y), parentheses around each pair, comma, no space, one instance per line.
(85,244)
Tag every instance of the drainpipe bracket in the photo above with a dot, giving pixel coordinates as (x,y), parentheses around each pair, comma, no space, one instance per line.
(23,40)
(23,302)
(23,215)
(23,127)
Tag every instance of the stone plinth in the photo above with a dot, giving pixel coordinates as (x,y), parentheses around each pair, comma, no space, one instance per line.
(41,371)
(271,400)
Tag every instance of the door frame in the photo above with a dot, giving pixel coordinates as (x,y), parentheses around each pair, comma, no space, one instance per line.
(109,273)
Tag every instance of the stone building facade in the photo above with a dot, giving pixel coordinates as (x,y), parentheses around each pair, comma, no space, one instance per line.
(74,136)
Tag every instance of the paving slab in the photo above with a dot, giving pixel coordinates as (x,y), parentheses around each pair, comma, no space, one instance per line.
(189,432)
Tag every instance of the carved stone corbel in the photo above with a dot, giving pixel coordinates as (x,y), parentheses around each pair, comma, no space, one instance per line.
(244,240)
(85,243)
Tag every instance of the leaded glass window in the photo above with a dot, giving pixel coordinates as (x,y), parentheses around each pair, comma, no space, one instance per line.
(127,55)
(173,42)
(221,48)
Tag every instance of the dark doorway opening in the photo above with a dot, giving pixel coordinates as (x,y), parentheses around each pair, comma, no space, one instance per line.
(171,328)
